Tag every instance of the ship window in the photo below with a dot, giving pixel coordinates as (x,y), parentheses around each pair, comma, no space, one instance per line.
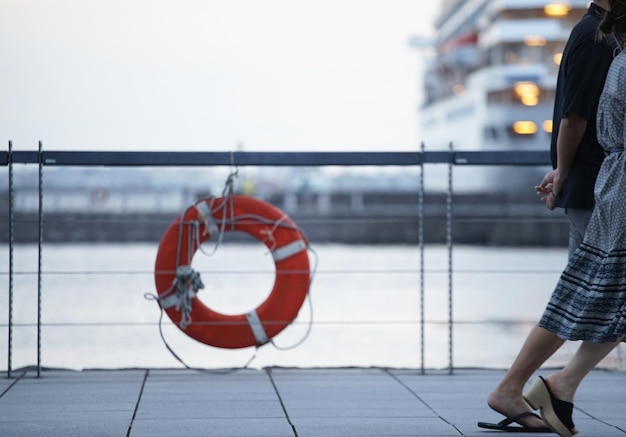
(510,96)
(523,128)
(547,126)
(572,15)
(533,51)
(566,21)
(557,9)
(522,14)
(527,92)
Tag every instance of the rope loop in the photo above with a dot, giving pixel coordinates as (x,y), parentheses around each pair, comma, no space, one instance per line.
(229,185)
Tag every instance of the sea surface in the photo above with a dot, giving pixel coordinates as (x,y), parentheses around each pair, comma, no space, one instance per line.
(364,309)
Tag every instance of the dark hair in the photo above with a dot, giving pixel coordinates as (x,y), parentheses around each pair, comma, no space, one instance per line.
(614,21)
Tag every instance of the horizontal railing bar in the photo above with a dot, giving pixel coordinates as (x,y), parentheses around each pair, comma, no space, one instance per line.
(516,157)
(24,157)
(152,158)
(85,158)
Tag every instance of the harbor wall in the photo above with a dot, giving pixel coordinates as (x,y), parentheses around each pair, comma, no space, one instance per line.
(376,218)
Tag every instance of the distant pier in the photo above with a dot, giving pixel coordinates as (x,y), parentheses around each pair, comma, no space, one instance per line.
(498,219)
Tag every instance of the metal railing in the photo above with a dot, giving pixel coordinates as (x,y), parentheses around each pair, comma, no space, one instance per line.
(44,158)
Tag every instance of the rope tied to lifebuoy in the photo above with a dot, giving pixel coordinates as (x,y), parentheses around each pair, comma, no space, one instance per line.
(188,283)
(184,288)
(269,233)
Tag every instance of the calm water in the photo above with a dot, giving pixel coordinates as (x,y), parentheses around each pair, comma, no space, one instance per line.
(365,306)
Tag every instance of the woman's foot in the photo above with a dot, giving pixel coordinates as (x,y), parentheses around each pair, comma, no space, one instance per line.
(555,411)
(510,403)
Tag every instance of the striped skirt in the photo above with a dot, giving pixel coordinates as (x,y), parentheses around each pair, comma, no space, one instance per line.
(589,301)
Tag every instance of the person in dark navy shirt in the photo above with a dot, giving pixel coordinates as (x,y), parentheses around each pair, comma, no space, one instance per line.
(574,150)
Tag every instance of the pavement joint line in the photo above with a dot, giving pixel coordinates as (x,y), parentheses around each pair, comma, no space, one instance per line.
(17,379)
(143,386)
(268,372)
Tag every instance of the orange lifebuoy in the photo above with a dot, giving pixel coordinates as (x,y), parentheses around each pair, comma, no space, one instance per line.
(267,224)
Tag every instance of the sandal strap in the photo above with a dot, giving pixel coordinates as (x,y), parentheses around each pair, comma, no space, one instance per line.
(516,419)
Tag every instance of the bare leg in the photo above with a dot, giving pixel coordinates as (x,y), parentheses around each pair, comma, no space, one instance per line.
(565,382)
(507,398)
(540,345)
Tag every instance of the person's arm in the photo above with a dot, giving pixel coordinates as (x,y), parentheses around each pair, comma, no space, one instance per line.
(571,134)
(571,131)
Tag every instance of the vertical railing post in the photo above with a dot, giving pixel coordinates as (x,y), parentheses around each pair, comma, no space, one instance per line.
(39,296)
(11,222)
(449,239)
(421,248)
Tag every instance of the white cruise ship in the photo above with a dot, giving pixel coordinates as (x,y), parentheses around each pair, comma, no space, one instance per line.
(492,81)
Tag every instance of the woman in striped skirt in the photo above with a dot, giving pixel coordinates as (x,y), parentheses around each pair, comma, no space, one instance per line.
(589,301)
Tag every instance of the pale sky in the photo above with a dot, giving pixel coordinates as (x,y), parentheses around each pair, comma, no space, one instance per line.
(273,75)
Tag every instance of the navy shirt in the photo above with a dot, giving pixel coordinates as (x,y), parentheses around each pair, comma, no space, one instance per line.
(580,81)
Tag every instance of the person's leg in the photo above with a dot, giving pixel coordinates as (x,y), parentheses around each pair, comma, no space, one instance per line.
(565,382)
(540,344)
(507,398)
(578,221)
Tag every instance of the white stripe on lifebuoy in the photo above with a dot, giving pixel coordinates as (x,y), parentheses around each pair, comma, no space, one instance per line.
(289,250)
(207,217)
(257,328)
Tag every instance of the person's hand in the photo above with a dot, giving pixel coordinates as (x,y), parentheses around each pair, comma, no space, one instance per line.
(546,189)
